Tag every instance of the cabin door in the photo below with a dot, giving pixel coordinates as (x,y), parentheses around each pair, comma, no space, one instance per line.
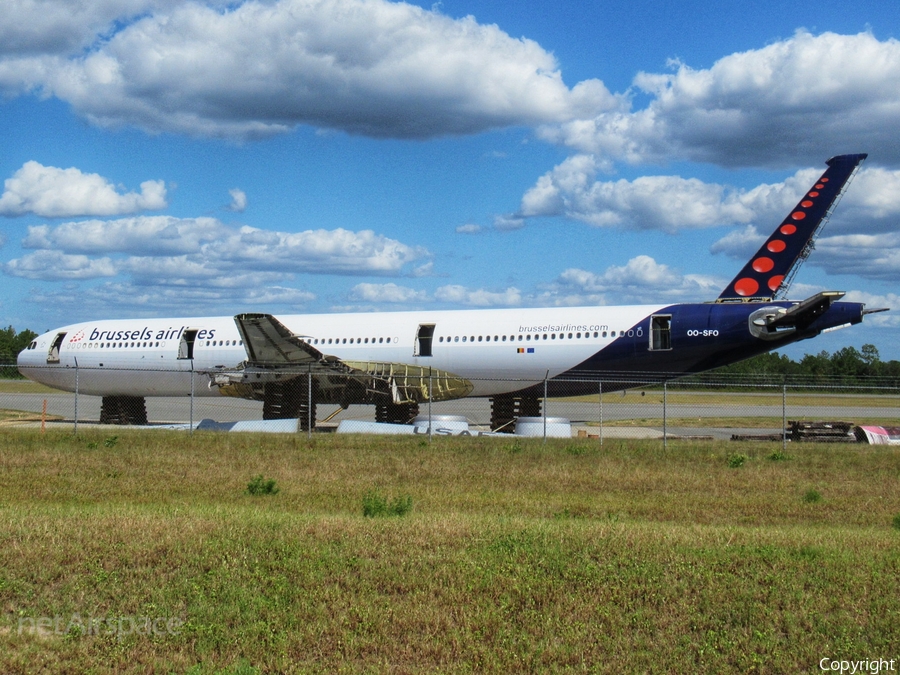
(424,339)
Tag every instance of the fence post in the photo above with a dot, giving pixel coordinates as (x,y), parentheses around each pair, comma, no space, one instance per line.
(309,397)
(192,397)
(544,407)
(665,415)
(430,385)
(75,427)
(600,386)
(784,414)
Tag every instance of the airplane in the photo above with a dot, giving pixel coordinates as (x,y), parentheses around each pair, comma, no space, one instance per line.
(398,360)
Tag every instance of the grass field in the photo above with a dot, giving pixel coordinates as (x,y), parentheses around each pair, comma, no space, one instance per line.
(723,422)
(25,387)
(637,397)
(146,552)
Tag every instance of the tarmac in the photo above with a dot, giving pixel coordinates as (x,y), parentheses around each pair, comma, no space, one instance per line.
(601,420)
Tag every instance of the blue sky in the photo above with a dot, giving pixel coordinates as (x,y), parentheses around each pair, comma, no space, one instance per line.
(167,157)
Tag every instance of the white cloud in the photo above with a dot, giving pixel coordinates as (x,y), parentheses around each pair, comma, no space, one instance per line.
(56,266)
(640,280)
(317,251)
(143,300)
(739,243)
(60,193)
(807,97)
(63,26)
(469,228)
(141,235)
(168,251)
(641,270)
(872,202)
(184,271)
(870,256)
(890,301)
(460,295)
(387,293)
(238,200)
(508,222)
(372,67)
(873,256)
(861,238)
(425,270)
(668,203)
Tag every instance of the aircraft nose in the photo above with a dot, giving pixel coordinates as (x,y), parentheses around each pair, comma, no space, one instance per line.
(22,358)
(28,356)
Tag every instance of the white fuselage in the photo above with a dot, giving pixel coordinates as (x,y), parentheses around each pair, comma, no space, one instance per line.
(149,357)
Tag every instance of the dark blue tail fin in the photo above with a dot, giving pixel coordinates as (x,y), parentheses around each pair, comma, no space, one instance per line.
(773,267)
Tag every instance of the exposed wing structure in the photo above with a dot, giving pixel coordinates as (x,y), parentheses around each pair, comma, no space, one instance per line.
(770,272)
(276,355)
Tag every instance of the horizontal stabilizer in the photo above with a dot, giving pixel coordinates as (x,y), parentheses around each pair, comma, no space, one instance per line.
(771,270)
(804,313)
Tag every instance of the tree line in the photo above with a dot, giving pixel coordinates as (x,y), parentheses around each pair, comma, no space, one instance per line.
(845,364)
(11,343)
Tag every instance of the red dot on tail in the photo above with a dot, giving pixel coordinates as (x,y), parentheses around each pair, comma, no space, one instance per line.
(746,286)
(776,246)
(763,264)
(775,282)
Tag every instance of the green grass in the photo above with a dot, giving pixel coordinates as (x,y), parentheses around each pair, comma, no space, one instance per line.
(14,417)
(728,422)
(633,397)
(518,556)
(24,386)
(261,486)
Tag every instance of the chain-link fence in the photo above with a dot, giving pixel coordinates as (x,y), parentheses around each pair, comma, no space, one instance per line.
(596,406)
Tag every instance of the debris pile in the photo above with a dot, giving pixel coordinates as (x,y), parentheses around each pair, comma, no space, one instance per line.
(821,432)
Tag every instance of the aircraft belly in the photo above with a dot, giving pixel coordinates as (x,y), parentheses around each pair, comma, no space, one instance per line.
(531,362)
(105,382)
